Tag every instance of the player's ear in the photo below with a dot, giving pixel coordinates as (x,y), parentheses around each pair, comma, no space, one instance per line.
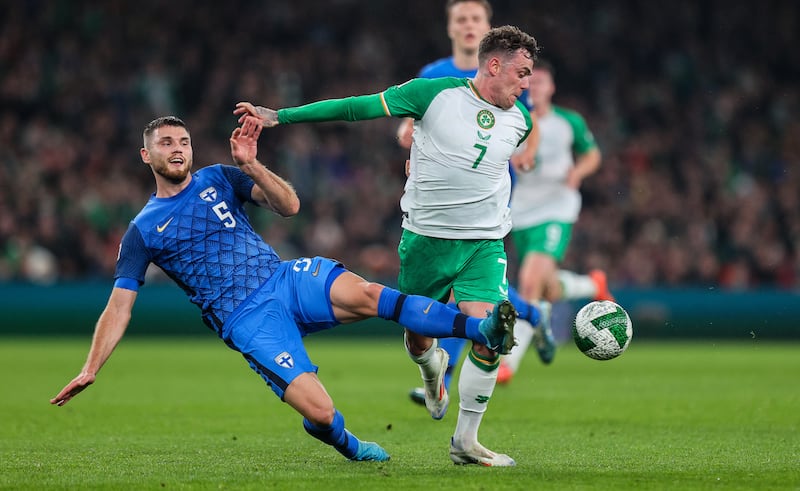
(145,155)
(495,65)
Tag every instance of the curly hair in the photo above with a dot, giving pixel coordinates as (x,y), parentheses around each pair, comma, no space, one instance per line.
(507,40)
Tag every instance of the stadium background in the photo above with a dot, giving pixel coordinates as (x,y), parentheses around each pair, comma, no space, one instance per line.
(695,213)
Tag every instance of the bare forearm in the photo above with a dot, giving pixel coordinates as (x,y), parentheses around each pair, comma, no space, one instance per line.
(109,330)
(271,191)
(588,163)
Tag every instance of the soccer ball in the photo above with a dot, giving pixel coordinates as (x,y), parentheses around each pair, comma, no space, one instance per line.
(602,330)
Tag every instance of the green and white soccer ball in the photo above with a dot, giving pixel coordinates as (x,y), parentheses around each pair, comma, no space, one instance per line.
(602,330)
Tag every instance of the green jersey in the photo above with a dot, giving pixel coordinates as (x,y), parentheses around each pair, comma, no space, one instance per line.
(459,185)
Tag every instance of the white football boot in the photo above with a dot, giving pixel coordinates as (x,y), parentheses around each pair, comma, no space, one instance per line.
(480,455)
(436,398)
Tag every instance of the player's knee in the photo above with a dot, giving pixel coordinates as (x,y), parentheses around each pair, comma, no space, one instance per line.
(373,290)
(371,296)
(321,415)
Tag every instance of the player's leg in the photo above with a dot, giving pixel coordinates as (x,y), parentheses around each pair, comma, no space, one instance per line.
(576,286)
(425,270)
(453,347)
(266,334)
(321,293)
(481,282)
(324,422)
(353,298)
(540,248)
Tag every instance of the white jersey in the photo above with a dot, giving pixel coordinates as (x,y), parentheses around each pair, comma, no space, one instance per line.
(542,194)
(459,185)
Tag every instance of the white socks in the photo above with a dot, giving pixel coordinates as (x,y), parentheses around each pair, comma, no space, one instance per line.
(476,384)
(576,286)
(428,361)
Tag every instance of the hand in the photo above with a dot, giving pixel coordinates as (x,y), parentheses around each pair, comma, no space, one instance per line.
(522,161)
(73,388)
(244,141)
(574,179)
(268,117)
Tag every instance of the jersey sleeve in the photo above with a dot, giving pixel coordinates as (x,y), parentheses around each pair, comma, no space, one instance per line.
(584,139)
(526,115)
(412,98)
(355,108)
(241,183)
(132,261)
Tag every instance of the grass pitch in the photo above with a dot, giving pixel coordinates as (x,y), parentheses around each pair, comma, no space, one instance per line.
(189,414)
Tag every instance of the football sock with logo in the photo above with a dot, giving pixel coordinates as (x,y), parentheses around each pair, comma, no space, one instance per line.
(475,387)
(335,435)
(426,316)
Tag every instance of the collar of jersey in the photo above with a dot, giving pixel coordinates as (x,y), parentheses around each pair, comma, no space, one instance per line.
(183,191)
(477,94)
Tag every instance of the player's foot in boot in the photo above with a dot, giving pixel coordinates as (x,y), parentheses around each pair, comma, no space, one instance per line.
(417,395)
(543,338)
(601,285)
(436,398)
(370,451)
(480,455)
(498,328)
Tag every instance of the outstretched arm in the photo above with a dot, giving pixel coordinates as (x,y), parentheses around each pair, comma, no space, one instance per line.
(355,108)
(270,190)
(107,333)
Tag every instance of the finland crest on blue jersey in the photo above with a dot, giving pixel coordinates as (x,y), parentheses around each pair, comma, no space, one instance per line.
(209,194)
(285,360)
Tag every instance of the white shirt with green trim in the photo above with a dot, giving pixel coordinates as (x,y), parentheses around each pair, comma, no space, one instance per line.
(542,194)
(459,185)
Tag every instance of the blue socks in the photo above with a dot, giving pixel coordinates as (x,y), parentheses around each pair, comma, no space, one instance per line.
(427,317)
(334,435)
(524,310)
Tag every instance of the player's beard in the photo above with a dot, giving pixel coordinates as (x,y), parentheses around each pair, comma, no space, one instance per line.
(173,174)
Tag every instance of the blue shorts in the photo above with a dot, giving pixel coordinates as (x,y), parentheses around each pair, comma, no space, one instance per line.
(268,328)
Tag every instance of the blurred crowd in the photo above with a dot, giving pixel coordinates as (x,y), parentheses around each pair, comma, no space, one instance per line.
(694,105)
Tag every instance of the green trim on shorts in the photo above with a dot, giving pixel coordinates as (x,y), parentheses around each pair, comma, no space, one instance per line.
(551,238)
(475,270)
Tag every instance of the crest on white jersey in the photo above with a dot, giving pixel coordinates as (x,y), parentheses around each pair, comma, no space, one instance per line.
(209,194)
(485,119)
(285,360)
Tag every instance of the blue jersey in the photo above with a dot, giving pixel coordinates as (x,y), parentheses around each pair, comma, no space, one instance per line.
(203,240)
(445,67)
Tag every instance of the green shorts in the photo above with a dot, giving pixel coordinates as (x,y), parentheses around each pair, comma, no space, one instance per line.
(475,270)
(551,238)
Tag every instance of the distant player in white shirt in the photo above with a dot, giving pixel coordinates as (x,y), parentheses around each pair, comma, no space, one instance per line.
(545,204)
(455,205)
